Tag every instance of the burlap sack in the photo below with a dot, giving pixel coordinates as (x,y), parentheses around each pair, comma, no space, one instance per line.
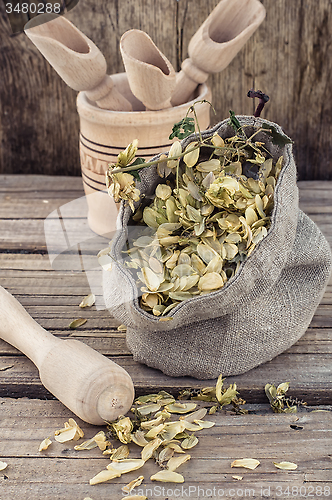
(264,309)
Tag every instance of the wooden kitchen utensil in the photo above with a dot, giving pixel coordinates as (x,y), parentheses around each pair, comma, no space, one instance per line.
(76,59)
(216,43)
(150,74)
(92,386)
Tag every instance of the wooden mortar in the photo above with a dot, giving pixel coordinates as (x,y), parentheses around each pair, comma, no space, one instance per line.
(104,134)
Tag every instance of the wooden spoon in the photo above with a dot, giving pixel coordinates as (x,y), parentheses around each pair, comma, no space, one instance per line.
(216,43)
(76,59)
(93,387)
(150,74)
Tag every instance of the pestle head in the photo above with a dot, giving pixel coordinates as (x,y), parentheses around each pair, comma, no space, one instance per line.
(89,384)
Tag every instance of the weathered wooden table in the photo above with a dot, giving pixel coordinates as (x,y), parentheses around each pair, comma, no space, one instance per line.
(28,413)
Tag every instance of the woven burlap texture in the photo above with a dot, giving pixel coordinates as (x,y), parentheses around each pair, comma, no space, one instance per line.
(264,309)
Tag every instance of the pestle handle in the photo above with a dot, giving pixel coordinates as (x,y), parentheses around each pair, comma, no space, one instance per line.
(21,331)
(93,387)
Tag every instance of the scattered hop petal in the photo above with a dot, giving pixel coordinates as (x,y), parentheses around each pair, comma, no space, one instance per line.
(122,328)
(285,465)
(104,475)
(151,279)
(205,424)
(88,301)
(247,463)
(163,191)
(208,166)
(148,409)
(71,431)
(148,450)
(90,444)
(189,442)
(165,455)
(237,477)
(123,429)
(77,323)
(106,262)
(152,433)
(3,465)
(132,485)
(167,476)
(135,497)
(191,157)
(120,453)
(177,448)
(217,141)
(171,429)
(181,407)
(210,281)
(175,151)
(101,440)
(139,439)
(175,462)
(125,465)
(45,444)
(196,415)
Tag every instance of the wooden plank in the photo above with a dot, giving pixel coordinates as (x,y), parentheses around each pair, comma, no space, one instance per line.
(112,342)
(22,227)
(61,472)
(310,376)
(52,298)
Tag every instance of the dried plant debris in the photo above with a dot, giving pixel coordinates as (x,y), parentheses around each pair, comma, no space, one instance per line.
(247,463)
(71,431)
(135,497)
(211,209)
(77,323)
(167,476)
(4,368)
(133,484)
(88,301)
(163,429)
(45,444)
(219,395)
(279,402)
(99,440)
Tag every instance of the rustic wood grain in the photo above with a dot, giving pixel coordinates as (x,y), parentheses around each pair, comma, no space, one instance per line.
(288,58)
(52,295)
(309,374)
(61,472)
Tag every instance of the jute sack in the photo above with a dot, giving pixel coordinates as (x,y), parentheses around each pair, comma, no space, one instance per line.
(264,309)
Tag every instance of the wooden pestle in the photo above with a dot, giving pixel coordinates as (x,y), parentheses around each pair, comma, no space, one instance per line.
(150,74)
(90,385)
(76,59)
(216,43)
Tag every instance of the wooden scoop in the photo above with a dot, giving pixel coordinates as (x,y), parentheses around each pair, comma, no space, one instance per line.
(150,74)
(216,43)
(76,59)
(93,387)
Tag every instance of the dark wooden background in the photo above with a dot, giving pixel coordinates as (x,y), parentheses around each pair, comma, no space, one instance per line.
(289,58)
